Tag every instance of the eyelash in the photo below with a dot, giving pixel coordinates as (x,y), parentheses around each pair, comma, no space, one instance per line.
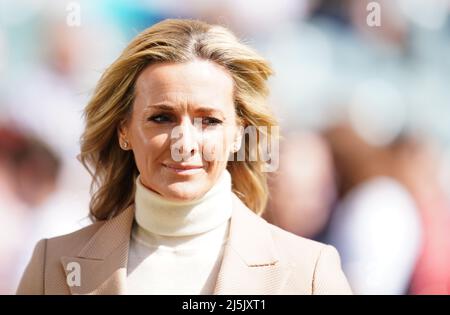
(156,118)
(211,121)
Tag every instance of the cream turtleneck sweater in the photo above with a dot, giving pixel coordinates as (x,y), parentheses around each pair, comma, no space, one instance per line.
(177,247)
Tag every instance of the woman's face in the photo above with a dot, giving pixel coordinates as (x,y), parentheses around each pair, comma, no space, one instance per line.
(182,127)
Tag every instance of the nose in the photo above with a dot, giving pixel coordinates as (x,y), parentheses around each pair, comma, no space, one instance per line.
(187,144)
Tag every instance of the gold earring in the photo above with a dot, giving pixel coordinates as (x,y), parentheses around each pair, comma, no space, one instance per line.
(125,144)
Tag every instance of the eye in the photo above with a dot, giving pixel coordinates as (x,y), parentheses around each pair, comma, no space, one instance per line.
(161,118)
(211,121)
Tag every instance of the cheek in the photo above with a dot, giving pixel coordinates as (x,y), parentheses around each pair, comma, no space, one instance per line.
(215,145)
(148,147)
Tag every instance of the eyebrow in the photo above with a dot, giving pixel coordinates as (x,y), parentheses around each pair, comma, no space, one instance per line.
(202,109)
(161,106)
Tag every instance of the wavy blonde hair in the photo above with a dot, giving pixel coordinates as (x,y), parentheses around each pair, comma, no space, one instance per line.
(113,170)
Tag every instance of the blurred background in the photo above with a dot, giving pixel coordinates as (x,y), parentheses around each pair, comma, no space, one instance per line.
(361,89)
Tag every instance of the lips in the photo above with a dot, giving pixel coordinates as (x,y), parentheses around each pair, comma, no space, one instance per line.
(183,167)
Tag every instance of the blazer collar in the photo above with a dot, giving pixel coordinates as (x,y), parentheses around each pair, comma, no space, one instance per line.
(250,264)
(101,264)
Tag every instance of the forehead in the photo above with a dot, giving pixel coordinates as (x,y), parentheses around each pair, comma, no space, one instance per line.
(196,82)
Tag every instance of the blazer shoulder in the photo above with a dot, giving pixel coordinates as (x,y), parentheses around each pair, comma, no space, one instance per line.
(72,243)
(318,262)
(287,241)
(45,260)
(32,280)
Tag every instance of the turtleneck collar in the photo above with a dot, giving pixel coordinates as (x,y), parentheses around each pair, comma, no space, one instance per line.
(158,215)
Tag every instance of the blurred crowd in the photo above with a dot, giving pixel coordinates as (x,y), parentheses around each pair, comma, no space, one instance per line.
(384,207)
(364,113)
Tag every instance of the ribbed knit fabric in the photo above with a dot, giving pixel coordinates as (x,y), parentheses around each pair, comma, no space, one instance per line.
(170,238)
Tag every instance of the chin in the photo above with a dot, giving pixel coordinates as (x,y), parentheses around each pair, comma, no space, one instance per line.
(184,192)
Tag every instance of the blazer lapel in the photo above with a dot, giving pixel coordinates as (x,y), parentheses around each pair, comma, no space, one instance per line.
(250,264)
(101,265)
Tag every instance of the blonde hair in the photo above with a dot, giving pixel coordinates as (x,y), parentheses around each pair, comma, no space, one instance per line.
(113,170)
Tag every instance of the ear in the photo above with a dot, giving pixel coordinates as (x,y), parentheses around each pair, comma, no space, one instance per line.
(122,130)
(122,135)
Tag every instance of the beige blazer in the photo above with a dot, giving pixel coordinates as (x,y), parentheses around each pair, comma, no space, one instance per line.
(259,258)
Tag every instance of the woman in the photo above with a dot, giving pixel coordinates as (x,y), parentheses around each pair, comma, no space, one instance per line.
(169,218)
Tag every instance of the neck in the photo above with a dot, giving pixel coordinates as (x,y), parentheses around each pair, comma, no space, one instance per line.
(158,215)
